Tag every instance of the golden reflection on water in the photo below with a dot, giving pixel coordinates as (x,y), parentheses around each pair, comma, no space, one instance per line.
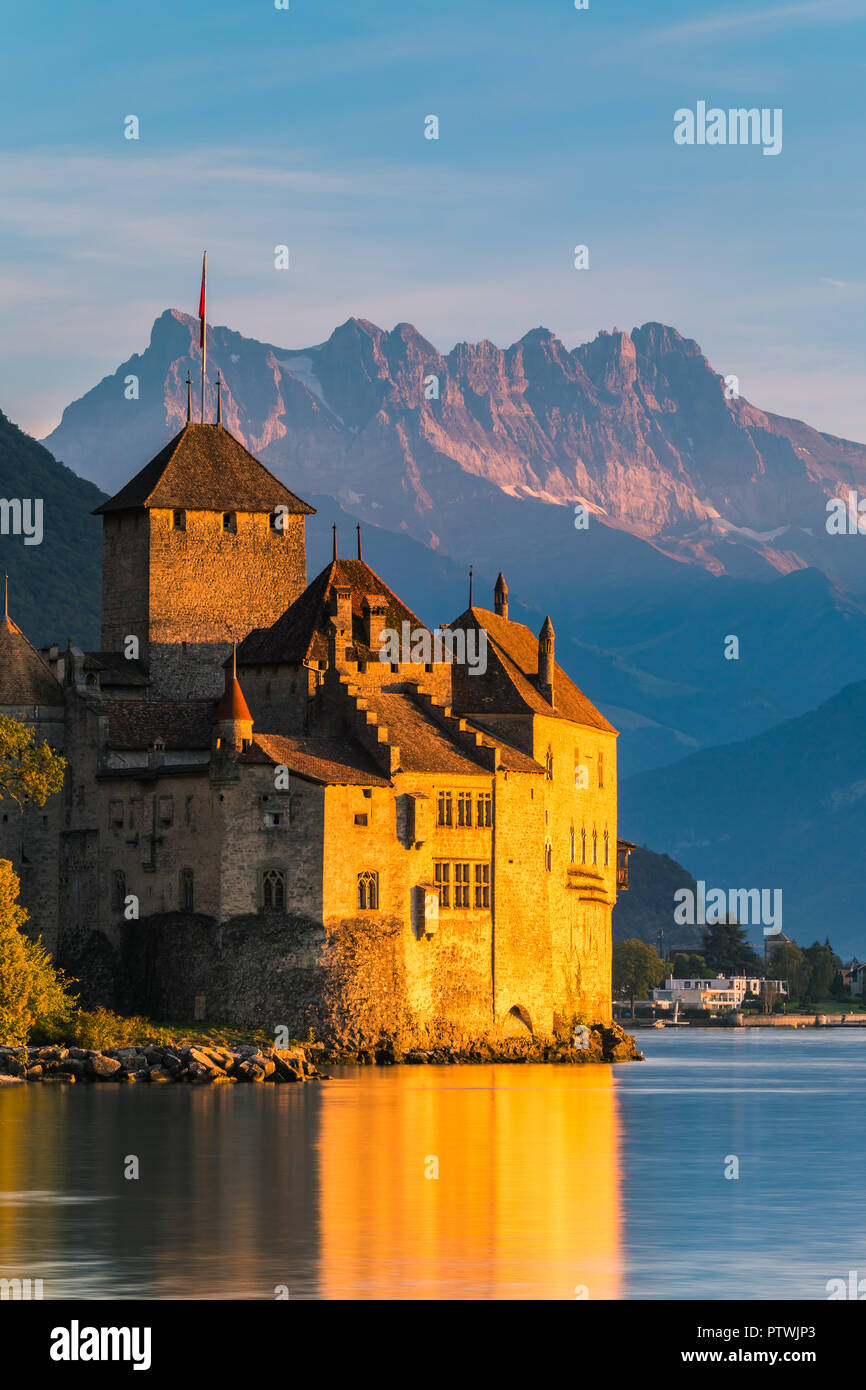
(526,1204)
(320,1189)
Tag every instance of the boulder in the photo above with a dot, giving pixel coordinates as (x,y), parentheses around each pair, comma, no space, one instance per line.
(103,1068)
(250,1071)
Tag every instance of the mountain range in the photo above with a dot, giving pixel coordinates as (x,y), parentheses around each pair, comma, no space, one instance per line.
(679,482)
(638,428)
(54,587)
(786,809)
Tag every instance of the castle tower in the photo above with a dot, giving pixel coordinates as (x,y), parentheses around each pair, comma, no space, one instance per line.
(202,546)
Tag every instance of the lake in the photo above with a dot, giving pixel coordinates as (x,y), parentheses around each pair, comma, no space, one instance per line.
(487,1182)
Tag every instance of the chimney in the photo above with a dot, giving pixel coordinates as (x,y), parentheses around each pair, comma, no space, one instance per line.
(340,626)
(545,660)
(156,753)
(500,597)
(341,605)
(374,607)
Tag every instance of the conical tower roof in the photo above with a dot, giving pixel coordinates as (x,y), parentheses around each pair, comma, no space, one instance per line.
(232,706)
(24,677)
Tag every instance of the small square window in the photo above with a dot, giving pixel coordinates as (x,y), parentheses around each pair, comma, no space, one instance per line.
(362,818)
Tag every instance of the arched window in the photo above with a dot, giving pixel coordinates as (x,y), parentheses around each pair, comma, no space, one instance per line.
(187,890)
(368,891)
(274,889)
(230,523)
(118,890)
(606,849)
(594,847)
(548,855)
(571,847)
(548,764)
(582,845)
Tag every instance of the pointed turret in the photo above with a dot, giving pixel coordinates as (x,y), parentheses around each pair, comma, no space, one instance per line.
(500,596)
(232,721)
(546,663)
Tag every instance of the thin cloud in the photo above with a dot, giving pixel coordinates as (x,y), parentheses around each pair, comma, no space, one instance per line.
(811,11)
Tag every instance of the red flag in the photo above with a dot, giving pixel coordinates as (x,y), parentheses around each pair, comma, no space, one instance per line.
(202,303)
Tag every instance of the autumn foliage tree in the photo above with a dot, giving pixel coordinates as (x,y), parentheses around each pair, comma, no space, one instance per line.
(32,992)
(29,771)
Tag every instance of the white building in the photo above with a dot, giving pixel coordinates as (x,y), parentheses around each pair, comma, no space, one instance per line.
(724,992)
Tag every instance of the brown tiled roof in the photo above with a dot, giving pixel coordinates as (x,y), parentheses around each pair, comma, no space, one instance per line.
(114,669)
(206,469)
(301,634)
(325,760)
(424,745)
(179,723)
(24,677)
(511,687)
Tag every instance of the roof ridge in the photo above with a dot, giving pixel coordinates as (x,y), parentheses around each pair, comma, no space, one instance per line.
(207,468)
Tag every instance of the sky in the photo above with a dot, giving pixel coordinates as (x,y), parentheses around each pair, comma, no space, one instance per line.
(305,127)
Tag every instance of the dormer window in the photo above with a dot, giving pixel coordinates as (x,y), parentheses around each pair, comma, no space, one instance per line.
(230,523)
(178,520)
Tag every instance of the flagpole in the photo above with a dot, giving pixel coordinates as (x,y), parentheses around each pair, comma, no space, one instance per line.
(203,330)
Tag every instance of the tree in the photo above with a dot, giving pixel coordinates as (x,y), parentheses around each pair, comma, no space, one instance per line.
(637,969)
(821,971)
(28,771)
(688,967)
(729,951)
(769,994)
(790,965)
(32,992)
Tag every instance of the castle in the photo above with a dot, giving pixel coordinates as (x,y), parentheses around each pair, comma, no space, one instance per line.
(265,822)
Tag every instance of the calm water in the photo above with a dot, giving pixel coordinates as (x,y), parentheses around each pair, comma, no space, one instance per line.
(549,1179)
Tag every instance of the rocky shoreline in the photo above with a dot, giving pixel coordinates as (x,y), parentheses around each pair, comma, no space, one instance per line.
(203,1063)
(601,1044)
(212,1064)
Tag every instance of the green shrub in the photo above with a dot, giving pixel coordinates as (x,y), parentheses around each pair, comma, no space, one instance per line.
(101,1029)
